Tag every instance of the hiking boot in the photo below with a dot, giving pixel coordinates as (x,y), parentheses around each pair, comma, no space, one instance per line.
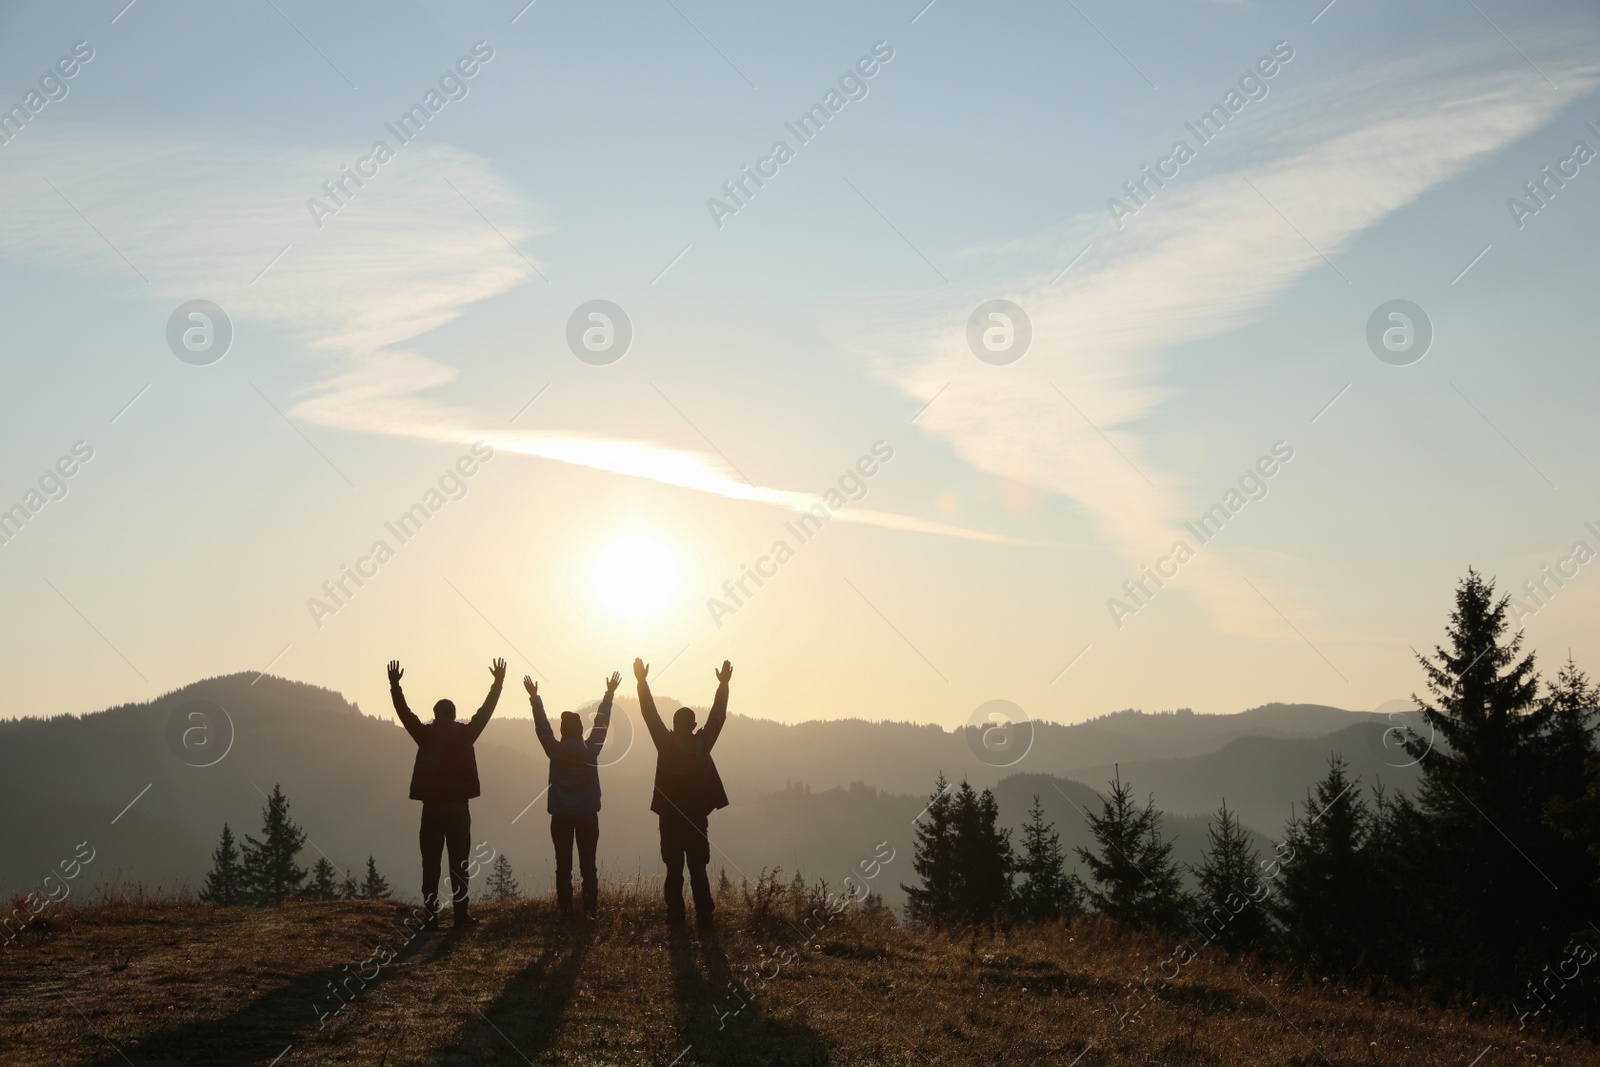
(464,920)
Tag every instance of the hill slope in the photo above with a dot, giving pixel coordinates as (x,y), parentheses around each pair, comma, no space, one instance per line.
(167,985)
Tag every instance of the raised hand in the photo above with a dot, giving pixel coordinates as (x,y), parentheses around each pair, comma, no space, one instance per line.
(640,669)
(725,673)
(499,671)
(395,673)
(613,681)
(530,685)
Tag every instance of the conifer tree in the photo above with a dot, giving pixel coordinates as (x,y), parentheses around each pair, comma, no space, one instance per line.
(933,861)
(982,854)
(1389,861)
(1490,860)
(225,882)
(1326,902)
(1570,701)
(1047,892)
(1136,882)
(324,881)
(270,872)
(375,886)
(1232,901)
(502,883)
(349,889)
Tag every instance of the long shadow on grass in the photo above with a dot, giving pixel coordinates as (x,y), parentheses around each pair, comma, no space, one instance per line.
(710,1025)
(529,1011)
(261,1030)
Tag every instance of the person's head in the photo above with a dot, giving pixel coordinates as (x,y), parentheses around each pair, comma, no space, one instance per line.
(571,725)
(444,711)
(683,721)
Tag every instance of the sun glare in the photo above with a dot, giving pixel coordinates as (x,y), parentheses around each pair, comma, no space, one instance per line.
(636,577)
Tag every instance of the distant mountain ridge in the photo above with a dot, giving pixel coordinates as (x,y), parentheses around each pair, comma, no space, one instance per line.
(817,795)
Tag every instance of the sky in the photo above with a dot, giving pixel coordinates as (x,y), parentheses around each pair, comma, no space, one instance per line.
(279,274)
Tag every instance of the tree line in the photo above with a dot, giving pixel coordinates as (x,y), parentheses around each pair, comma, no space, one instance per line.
(1483,882)
(265,872)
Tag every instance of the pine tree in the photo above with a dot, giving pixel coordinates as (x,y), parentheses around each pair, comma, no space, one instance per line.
(1136,881)
(349,889)
(1389,861)
(1232,900)
(1489,861)
(225,883)
(983,857)
(933,861)
(324,882)
(1326,903)
(375,886)
(1573,777)
(724,885)
(1570,703)
(270,873)
(1047,892)
(502,885)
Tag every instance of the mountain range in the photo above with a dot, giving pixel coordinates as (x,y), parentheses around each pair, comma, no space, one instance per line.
(149,786)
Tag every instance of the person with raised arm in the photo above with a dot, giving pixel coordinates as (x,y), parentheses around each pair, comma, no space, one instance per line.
(445,777)
(687,790)
(574,792)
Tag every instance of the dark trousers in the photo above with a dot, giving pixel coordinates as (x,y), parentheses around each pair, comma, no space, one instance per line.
(585,829)
(445,824)
(683,838)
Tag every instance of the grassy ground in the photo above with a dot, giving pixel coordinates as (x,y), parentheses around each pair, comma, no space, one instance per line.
(165,983)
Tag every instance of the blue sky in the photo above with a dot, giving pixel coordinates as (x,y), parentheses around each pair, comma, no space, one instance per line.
(1169,353)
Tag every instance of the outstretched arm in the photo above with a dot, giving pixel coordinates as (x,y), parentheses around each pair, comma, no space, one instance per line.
(719,706)
(602,717)
(541,725)
(408,718)
(647,704)
(481,719)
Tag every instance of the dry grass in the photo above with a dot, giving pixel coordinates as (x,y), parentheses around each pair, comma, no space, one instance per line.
(148,984)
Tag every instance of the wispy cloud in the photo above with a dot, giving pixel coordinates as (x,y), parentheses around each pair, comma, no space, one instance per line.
(1208,255)
(437,230)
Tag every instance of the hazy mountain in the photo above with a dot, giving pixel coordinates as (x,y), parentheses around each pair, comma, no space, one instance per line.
(818,796)
(906,757)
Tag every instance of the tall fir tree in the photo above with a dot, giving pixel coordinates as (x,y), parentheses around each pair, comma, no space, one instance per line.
(1389,862)
(270,872)
(1325,899)
(982,855)
(349,888)
(933,860)
(1136,882)
(374,886)
(1489,861)
(1574,810)
(225,883)
(1047,891)
(502,883)
(324,881)
(1232,903)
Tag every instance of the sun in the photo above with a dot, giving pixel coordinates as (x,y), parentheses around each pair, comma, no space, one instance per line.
(636,577)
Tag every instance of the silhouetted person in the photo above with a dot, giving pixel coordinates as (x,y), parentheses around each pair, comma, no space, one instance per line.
(574,792)
(445,778)
(688,789)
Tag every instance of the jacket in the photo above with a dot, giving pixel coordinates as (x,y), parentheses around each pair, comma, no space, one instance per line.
(687,782)
(574,762)
(446,768)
